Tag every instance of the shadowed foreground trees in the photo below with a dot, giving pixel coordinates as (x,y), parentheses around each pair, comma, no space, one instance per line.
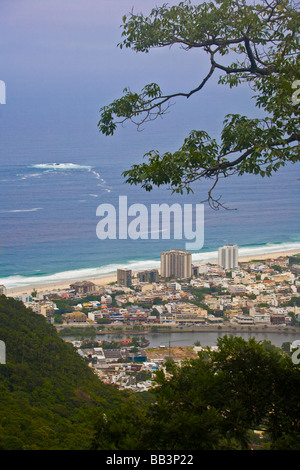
(214,402)
(49,396)
(50,399)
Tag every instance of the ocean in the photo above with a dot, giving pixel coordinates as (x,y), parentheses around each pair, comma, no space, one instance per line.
(60,65)
(48,215)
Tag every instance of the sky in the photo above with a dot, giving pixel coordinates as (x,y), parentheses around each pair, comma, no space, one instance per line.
(61,64)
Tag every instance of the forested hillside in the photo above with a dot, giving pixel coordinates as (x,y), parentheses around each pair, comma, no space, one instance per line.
(49,397)
(243,395)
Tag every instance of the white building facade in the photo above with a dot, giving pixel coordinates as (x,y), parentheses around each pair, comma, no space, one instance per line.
(228,257)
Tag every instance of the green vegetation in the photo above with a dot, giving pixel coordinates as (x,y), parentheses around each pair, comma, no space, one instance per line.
(214,402)
(277,268)
(252,44)
(80,332)
(295,301)
(65,305)
(295,259)
(49,397)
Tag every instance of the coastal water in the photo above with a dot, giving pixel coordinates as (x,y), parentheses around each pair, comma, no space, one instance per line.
(48,220)
(56,168)
(204,338)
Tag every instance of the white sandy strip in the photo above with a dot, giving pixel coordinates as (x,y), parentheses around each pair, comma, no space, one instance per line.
(107,279)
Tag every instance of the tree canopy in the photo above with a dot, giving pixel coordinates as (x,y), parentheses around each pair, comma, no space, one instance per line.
(49,396)
(219,401)
(51,400)
(256,43)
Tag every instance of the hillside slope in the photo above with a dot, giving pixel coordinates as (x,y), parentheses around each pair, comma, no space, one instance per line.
(49,397)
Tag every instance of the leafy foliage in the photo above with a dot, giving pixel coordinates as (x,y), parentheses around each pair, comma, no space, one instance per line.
(49,397)
(261,42)
(213,403)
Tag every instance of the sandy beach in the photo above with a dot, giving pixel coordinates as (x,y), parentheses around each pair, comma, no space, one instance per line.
(107,279)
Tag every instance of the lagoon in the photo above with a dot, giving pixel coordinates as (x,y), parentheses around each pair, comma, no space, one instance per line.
(205,338)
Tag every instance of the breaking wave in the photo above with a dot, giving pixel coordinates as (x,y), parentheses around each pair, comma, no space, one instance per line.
(34,209)
(61,166)
(138,265)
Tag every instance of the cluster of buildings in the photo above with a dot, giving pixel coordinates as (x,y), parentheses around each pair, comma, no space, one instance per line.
(125,367)
(181,294)
(128,367)
(177,264)
(227,294)
(174,264)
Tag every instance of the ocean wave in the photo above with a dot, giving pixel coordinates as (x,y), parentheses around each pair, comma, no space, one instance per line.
(61,166)
(103,184)
(13,282)
(50,167)
(32,175)
(246,251)
(98,176)
(34,209)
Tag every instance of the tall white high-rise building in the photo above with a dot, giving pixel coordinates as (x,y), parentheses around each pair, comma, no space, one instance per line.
(228,256)
(176,264)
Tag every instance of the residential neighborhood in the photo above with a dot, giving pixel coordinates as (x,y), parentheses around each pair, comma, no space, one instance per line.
(257,294)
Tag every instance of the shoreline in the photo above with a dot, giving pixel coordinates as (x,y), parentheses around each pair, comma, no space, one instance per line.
(224,328)
(109,278)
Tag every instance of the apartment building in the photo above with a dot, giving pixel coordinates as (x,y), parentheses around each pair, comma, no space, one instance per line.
(149,275)
(124,277)
(83,287)
(228,257)
(176,264)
